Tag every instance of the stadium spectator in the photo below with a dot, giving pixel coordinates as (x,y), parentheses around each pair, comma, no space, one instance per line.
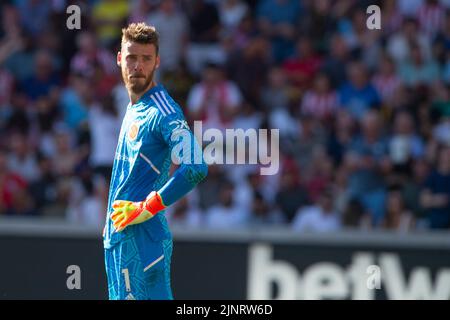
(392,17)
(140,10)
(277,20)
(12,187)
(302,66)
(43,80)
(87,200)
(173,28)
(366,161)
(400,43)
(65,157)
(89,56)
(334,64)
(320,217)
(291,194)
(358,95)
(320,23)
(411,189)
(226,214)
(104,129)
(108,17)
(319,175)
(276,101)
(262,213)
(215,100)
(431,17)
(231,13)
(321,101)
(397,217)
(209,189)
(340,135)
(362,41)
(34,15)
(409,8)
(247,67)
(435,197)
(311,137)
(386,80)
(404,143)
(22,158)
(418,71)
(204,46)
(44,189)
(75,100)
(185,213)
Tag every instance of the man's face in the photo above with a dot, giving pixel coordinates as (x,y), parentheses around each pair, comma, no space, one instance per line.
(138,63)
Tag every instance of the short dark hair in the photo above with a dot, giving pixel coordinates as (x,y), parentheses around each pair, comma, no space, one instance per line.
(141,33)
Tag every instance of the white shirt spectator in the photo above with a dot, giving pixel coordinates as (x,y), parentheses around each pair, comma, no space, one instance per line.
(192,218)
(399,48)
(104,128)
(227,93)
(402,147)
(121,99)
(409,7)
(85,209)
(313,218)
(220,217)
(173,29)
(441,132)
(231,13)
(89,212)
(25,167)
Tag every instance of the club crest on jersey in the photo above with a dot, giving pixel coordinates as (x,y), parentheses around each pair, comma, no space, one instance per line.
(133,131)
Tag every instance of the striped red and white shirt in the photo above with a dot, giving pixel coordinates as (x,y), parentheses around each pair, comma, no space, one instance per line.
(431,18)
(319,105)
(386,86)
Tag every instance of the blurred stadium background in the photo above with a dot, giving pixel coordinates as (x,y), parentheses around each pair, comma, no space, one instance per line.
(360,208)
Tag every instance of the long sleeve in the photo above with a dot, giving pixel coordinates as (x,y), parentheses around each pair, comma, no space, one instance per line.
(185,151)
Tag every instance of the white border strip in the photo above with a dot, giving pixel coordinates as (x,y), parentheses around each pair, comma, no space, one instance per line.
(165,99)
(158,105)
(149,162)
(153,263)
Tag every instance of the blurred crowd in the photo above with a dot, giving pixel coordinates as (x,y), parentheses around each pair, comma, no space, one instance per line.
(364,115)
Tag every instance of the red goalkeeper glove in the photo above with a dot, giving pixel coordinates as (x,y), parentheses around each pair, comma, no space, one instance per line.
(128,212)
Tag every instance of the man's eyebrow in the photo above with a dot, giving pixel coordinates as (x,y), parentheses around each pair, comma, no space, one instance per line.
(136,55)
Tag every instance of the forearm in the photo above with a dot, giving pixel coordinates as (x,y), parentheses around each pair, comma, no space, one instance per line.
(182,182)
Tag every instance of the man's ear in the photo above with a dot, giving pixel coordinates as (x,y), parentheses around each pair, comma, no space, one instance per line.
(158,61)
(119,58)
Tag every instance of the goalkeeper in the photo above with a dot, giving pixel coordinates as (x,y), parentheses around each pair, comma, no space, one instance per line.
(137,240)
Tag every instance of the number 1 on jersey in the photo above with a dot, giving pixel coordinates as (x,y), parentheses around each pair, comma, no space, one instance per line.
(126,274)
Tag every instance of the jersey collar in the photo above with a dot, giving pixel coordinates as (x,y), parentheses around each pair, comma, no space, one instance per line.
(147,95)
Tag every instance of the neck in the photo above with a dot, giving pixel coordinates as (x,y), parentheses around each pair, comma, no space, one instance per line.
(134,97)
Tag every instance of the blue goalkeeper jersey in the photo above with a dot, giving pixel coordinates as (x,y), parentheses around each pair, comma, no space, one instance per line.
(154,134)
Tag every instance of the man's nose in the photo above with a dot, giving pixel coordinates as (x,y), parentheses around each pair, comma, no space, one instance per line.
(138,65)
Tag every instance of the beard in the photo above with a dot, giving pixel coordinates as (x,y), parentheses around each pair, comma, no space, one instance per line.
(138,83)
